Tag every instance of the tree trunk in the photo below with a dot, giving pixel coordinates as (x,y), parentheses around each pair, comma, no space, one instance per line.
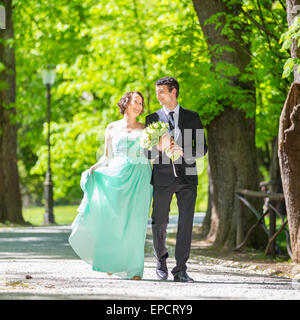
(233,166)
(10,198)
(210,222)
(289,159)
(289,144)
(231,140)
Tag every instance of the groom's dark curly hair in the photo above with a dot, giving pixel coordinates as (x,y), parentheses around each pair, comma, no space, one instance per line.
(170,82)
(124,101)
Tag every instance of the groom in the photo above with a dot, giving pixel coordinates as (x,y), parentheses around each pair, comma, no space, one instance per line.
(179,177)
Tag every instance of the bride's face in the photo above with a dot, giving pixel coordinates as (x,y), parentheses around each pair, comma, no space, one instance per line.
(135,106)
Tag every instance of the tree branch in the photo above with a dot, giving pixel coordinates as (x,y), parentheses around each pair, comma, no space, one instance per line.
(263,22)
(258,25)
(283,6)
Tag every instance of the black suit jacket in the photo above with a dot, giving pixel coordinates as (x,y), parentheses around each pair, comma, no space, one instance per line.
(191,139)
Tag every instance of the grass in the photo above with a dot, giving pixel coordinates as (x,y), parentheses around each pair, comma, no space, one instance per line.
(62,214)
(65,215)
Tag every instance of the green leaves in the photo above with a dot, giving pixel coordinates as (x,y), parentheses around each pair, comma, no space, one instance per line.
(293,33)
(289,66)
(2,67)
(287,38)
(227,69)
(75,147)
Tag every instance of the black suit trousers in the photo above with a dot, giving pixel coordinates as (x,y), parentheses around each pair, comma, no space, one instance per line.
(186,195)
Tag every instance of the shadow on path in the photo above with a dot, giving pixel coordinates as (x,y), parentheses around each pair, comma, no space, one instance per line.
(36,243)
(49,242)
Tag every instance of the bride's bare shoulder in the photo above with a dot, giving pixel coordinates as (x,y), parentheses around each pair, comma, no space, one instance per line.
(113,125)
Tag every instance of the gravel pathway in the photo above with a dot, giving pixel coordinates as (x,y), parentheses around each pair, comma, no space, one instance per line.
(38,263)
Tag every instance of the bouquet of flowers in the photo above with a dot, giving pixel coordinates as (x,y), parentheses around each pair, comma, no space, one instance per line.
(151,135)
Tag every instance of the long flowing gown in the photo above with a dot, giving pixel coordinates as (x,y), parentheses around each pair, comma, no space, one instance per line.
(110,229)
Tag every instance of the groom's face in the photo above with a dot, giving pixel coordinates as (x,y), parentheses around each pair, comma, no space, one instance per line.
(164,96)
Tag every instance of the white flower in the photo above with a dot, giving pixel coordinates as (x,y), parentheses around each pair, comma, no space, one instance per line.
(152,133)
(150,130)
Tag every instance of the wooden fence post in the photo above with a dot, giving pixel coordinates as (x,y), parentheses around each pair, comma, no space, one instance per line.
(239,226)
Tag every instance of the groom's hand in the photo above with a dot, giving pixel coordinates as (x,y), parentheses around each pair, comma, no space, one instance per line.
(177,149)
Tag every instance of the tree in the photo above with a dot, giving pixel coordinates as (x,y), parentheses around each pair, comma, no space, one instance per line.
(10,198)
(231,134)
(289,132)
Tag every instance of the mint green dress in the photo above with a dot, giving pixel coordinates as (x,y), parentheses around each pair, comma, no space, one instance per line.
(110,229)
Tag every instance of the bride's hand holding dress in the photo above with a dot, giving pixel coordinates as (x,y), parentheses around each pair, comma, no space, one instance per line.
(108,153)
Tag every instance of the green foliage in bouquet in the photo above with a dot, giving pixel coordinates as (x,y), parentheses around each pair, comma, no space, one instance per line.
(152,133)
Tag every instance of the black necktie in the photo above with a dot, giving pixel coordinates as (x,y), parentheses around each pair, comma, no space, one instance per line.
(171,122)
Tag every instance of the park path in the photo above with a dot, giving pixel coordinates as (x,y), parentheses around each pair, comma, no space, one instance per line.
(38,263)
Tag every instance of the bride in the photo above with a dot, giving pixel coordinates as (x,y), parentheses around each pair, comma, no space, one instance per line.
(110,228)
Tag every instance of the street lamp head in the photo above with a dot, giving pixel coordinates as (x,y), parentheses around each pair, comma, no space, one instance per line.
(48,75)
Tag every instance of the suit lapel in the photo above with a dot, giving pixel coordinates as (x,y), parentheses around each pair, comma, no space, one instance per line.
(180,119)
(180,126)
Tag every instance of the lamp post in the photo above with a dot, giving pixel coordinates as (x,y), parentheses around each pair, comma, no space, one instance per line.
(48,76)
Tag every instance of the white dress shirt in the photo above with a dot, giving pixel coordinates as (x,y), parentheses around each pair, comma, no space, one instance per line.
(176,118)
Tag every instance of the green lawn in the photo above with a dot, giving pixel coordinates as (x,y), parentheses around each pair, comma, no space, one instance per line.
(66,214)
(62,215)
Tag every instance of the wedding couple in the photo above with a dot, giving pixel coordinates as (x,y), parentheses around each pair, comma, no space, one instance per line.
(109,231)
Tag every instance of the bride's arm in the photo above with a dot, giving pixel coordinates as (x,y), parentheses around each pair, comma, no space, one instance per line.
(108,153)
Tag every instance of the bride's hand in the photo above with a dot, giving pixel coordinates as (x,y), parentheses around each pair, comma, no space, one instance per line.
(92,170)
(166,141)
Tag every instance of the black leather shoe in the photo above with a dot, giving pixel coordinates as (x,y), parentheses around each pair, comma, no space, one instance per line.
(162,270)
(182,276)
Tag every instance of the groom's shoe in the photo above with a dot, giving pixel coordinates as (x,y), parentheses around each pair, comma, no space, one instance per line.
(162,270)
(182,276)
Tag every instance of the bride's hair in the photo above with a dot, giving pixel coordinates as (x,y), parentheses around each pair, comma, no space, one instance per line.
(124,101)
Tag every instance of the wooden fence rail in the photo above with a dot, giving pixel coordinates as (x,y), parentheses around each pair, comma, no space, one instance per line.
(268,208)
